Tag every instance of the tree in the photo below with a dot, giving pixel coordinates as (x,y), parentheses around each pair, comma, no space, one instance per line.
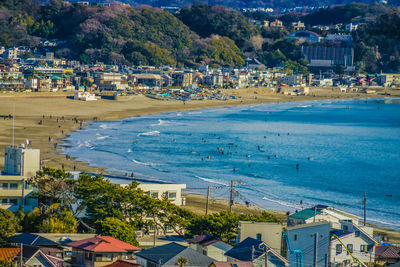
(181,261)
(224,225)
(8,224)
(118,229)
(58,220)
(54,186)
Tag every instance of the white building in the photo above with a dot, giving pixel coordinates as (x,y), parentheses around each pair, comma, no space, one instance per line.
(210,246)
(20,164)
(354,239)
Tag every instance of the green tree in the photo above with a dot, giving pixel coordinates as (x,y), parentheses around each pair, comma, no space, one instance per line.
(8,225)
(58,220)
(54,186)
(118,229)
(182,261)
(224,225)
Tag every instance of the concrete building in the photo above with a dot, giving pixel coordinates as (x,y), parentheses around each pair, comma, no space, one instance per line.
(270,233)
(298,26)
(173,192)
(307,245)
(109,81)
(182,79)
(328,57)
(20,164)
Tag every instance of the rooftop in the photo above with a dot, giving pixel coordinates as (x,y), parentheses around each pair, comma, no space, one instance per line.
(103,244)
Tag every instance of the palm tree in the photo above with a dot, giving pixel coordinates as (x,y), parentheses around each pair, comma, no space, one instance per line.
(182,261)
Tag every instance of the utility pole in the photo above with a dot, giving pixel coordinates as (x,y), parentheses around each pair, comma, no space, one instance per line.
(266,256)
(365,208)
(21,258)
(316,251)
(231,197)
(315,212)
(208,197)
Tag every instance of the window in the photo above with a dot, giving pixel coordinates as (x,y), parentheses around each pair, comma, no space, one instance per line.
(4,201)
(357,233)
(295,237)
(350,248)
(171,195)
(59,254)
(363,248)
(345,227)
(154,194)
(28,186)
(5,185)
(13,201)
(338,249)
(370,247)
(89,256)
(104,257)
(259,236)
(14,186)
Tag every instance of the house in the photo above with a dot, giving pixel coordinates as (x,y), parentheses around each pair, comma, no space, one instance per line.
(21,163)
(167,255)
(101,251)
(352,27)
(31,257)
(151,80)
(210,246)
(387,254)
(351,241)
(254,250)
(307,245)
(231,264)
(308,36)
(182,78)
(109,81)
(298,26)
(276,24)
(160,190)
(269,233)
(49,247)
(322,213)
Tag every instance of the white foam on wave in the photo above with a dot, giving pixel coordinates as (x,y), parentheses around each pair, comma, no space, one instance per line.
(129,150)
(304,106)
(209,180)
(162,123)
(144,163)
(282,203)
(102,137)
(149,133)
(103,126)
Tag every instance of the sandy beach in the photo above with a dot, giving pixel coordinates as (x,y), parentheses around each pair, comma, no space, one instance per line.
(46,118)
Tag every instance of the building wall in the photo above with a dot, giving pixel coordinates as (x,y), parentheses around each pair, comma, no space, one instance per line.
(162,189)
(22,161)
(365,257)
(303,238)
(271,233)
(38,260)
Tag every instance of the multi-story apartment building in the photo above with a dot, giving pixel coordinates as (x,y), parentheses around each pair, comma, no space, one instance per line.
(21,163)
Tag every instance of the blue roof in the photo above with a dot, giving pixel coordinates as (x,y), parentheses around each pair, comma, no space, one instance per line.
(32,239)
(168,255)
(243,251)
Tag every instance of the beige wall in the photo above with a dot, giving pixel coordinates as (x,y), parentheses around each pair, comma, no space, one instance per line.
(22,161)
(161,189)
(271,233)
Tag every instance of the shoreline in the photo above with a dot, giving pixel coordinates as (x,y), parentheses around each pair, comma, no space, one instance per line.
(110,110)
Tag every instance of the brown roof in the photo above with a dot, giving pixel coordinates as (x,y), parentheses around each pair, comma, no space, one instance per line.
(8,254)
(388,252)
(232,264)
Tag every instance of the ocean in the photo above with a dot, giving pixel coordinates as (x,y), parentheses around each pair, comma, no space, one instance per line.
(284,156)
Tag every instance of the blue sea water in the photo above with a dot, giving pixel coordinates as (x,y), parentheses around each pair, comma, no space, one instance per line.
(284,156)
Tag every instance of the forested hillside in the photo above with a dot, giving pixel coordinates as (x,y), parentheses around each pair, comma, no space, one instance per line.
(118,34)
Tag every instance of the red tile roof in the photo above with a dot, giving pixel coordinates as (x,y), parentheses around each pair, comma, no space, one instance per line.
(120,263)
(8,254)
(102,244)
